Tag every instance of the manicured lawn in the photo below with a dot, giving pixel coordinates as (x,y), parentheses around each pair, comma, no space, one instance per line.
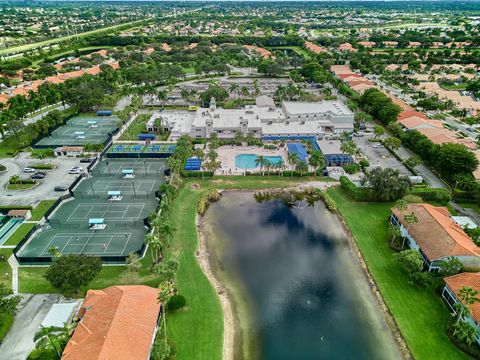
(5,269)
(138,127)
(42,166)
(420,314)
(40,210)
(19,234)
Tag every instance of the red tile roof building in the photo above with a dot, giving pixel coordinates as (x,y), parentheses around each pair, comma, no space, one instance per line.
(119,322)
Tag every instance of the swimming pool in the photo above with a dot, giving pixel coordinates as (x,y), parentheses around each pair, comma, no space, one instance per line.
(247,161)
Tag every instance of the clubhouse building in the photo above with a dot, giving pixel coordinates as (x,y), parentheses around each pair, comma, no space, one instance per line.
(436,236)
(264,119)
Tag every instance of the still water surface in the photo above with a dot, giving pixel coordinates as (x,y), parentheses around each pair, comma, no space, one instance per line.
(309,297)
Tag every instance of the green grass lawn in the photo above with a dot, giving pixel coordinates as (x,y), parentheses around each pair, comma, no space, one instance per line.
(6,325)
(40,210)
(19,234)
(5,269)
(138,127)
(420,314)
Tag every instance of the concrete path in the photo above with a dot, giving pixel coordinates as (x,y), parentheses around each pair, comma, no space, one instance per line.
(32,310)
(12,261)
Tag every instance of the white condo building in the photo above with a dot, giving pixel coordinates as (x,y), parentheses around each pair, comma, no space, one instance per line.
(262,119)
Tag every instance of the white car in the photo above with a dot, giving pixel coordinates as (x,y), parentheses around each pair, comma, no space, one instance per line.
(28,170)
(74,171)
(378,146)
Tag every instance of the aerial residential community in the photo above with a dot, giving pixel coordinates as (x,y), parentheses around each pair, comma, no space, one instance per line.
(239,180)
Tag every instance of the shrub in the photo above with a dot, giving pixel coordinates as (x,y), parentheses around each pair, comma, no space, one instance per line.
(3,168)
(364,163)
(352,191)
(206,199)
(413,199)
(176,302)
(351,168)
(430,194)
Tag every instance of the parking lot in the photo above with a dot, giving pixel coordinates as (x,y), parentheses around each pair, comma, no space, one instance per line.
(56,177)
(378,156)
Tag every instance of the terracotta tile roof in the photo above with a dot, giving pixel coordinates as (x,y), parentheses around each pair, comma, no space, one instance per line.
(4,98)
(314,47)
(414,122)
(118,323)
(166,47)
(149,50)
(341,69)
(436,233)
(444,136)
(192,46)
(457,282)
(350,76)
(367,43)
(261,51)
(346,47)
(407,114)
(476,173)
(390,43)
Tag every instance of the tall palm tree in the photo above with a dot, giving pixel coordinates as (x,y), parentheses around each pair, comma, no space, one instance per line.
(260,162)
(409,219)
(292,161)
(155,244)
(244,93)
(301,167)
(281,166)
(233,89)
(166,230)
(317,160)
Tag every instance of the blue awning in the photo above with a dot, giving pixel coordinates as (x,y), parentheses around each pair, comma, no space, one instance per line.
(95,221)
(114,193)
(127,171)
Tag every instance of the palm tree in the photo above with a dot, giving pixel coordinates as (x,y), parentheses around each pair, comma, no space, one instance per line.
(166,230)
(317,160)
(162,97)
(301,167)
(465,332)
(409,219)
(292,160)
(281,166)
(393,233)
(468,296)
(255,86)
(233,88)
(268,166)
(52,338)
(155,244)
(245,93)
(260,162)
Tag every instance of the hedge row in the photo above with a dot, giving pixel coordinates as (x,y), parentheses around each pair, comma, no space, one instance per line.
(430,194)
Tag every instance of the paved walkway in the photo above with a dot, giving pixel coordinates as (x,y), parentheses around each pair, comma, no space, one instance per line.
(12,261)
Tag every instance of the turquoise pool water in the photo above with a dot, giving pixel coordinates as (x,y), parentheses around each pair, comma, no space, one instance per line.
(247,161)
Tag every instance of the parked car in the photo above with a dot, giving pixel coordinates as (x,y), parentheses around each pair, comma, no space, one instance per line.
(74,171)
(378,146)
(37,176)
(87,160)
(60,188)
(28,170)
(41,172)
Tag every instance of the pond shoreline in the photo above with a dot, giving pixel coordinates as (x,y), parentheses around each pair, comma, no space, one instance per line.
(386,314)
(227,303)
(203,257)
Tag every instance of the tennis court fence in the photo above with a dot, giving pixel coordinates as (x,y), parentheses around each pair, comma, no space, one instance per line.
(116,224)
(102,194)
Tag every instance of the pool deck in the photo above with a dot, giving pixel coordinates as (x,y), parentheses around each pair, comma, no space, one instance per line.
(226,155)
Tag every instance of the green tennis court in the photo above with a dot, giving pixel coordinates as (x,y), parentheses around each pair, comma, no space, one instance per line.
(144,168)
(122,230)
(81,130)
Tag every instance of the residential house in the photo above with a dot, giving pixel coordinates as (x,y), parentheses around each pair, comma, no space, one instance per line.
(436,236)
(119,322)
(451,291)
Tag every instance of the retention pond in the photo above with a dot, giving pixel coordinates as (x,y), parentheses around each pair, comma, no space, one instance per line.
(297,290)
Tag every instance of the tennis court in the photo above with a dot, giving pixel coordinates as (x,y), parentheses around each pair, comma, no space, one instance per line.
(141,167)
(81,130)
(73,229)
(140,151)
